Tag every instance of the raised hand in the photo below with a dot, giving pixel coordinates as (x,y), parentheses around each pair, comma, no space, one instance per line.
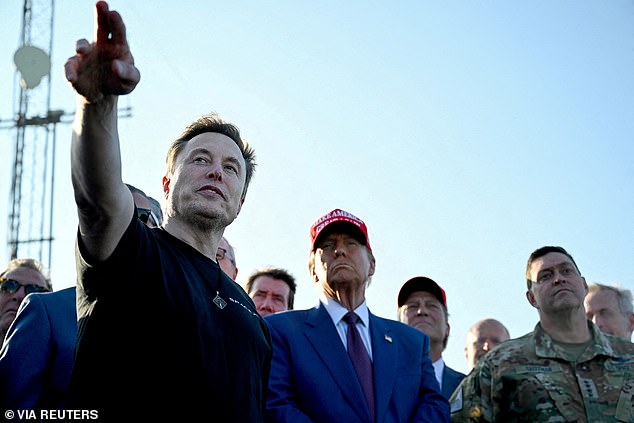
(105,66)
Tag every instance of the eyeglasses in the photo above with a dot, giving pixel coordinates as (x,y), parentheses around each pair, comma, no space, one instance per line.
(11,286)
(145,215)
(221,254)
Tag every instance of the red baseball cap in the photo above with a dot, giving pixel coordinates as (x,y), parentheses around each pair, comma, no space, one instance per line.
(340,218)
(421,283)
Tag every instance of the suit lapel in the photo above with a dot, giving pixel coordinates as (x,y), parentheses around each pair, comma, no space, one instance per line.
(384,364)
(322,335)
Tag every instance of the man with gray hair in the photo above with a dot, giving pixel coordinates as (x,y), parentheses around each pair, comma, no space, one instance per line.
(338,362)
(566,370)
(21,277)
(226,258)
(610,308)
(422,304)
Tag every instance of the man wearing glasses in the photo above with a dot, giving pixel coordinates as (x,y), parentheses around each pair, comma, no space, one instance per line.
(21,277)
(148,209)
(36,357)
(226,258)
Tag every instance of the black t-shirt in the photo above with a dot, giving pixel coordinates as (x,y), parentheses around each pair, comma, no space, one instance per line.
(164,333)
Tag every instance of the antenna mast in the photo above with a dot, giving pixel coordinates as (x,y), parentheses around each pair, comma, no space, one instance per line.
(30,226)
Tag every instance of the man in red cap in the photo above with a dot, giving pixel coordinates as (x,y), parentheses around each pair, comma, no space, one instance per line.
(337,362)
(422,304)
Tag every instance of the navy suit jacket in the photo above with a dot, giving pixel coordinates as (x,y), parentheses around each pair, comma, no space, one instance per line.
(36,358)
(312,378)
(450,381)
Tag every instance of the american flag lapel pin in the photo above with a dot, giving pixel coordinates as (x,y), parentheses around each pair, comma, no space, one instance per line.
(388,338)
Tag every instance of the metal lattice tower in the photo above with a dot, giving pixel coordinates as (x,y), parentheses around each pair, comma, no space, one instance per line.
(30,226)
(31,201)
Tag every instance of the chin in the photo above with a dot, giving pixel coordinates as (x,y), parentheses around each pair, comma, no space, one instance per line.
(205,218)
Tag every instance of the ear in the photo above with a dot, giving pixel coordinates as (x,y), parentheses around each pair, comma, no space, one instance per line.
(372,266)
(531,299)
(311,267)
(166,186)
(585,285)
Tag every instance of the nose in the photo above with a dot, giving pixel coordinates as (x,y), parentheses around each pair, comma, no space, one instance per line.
(215,171)
(267,304)
(558,277)
(340,249)
(19,294)
(421,310)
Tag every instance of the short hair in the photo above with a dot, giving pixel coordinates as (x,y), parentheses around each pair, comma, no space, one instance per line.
(623,296)
(275,273)
(31,264)
(156,206)
(542,251)
(213,123)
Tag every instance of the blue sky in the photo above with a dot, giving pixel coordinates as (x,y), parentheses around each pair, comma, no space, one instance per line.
(465,134)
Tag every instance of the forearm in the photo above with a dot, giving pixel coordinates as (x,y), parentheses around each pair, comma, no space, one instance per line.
(95,152)
(103,201)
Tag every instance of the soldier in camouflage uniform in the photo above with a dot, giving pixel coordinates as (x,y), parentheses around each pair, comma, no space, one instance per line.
(566,370)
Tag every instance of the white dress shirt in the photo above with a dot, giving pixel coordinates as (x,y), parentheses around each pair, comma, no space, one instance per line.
(336,312)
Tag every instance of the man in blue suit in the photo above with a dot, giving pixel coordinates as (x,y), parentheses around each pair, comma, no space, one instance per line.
(422,304)
(37,356)
(314,376)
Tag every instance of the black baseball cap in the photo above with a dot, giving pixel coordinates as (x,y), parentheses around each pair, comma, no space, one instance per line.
(421,283)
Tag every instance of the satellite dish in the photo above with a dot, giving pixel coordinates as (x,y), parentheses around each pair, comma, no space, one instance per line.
(33,64)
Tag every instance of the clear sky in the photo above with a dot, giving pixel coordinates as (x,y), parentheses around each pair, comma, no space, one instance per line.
(465,134)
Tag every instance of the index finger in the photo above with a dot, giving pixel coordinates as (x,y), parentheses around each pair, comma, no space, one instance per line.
(102,22)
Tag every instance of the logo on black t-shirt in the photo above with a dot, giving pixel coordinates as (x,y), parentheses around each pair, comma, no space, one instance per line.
(219,301)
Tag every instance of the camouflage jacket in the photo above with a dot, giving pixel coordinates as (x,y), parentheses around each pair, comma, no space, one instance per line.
(531,379)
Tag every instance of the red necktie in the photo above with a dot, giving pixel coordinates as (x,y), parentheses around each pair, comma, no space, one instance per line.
(360,359)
